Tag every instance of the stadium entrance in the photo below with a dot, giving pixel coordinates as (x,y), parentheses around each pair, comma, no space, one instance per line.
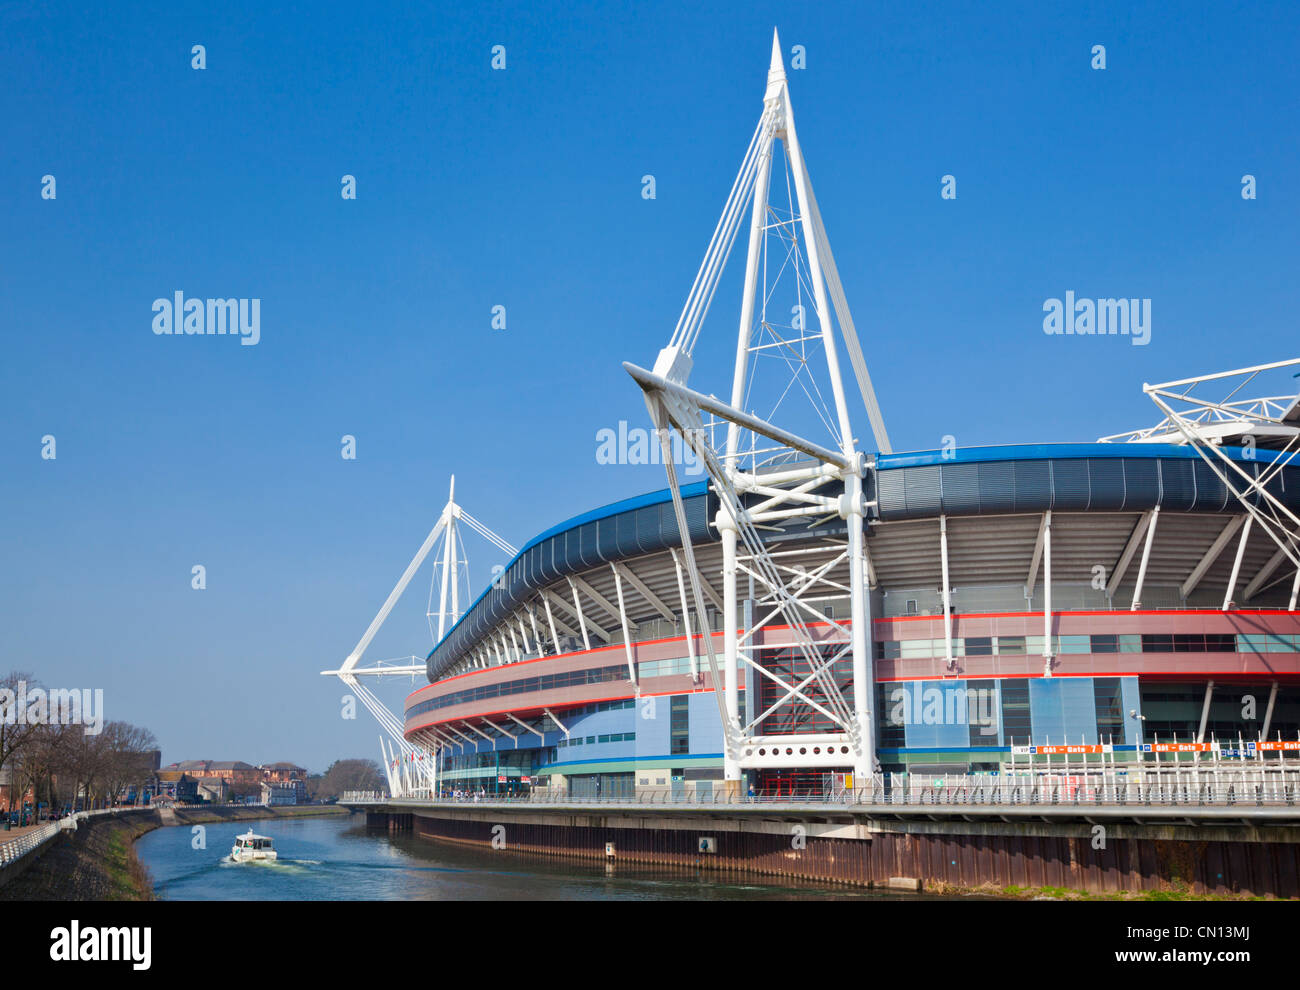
(814,783)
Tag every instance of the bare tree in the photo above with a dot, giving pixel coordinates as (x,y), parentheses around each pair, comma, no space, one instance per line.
(15,733)
(126,757)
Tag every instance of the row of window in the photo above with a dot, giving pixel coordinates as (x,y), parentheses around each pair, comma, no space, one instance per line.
(985,646)
(520,760)
(666,668)
(524,685)
(602,706)
(609,737)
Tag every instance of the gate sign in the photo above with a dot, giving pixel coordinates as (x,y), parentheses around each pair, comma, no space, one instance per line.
(502,779)
(1058,750)
(1280,746)
(525,780)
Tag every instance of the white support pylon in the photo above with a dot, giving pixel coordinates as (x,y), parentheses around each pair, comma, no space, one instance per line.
(791,479)
(418,757)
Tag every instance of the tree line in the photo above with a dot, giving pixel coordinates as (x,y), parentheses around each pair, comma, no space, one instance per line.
(60,764)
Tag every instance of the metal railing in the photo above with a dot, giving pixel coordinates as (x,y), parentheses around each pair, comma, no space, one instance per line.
(1182,788)
(16,849)
(363,797)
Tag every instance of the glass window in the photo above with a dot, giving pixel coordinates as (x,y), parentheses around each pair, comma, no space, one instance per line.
(1011,645)
(1109,704)
(918,649)
(679,724)
(1016,724)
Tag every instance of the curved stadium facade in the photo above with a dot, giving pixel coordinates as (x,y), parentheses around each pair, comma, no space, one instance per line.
(1112,598)
(963,610)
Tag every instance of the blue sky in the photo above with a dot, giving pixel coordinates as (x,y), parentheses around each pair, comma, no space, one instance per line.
(522,188)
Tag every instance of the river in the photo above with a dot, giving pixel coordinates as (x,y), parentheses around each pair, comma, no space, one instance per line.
(335,858)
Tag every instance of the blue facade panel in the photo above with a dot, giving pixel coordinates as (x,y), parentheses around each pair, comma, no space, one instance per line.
(651,719)
(1131,702)
(706,729)
(1063,710)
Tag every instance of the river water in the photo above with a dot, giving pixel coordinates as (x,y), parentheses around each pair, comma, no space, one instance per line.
(335,858)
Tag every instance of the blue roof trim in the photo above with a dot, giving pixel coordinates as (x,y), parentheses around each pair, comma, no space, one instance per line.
(1059,451)
(626,505)
(605,511)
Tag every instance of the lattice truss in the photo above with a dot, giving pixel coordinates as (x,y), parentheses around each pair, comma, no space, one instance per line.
(778,489)
(411,764)
(1268,429)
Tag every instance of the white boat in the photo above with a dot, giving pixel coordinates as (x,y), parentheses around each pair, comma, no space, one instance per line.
(250,847)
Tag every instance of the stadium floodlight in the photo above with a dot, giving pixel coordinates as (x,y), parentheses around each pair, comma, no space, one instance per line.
(411,765)
(769,477)
(1267,431)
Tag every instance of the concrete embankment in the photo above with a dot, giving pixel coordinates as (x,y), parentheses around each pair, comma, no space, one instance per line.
(94,863)
(97,862)
(935,852)
(210,816)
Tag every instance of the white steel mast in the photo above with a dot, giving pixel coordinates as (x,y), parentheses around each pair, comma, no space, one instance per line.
(795,478)
(420,756)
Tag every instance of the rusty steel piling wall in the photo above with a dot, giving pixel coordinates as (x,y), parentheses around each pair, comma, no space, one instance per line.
(955,854)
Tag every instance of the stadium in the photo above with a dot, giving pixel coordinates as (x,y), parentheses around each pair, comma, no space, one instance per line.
(814,611)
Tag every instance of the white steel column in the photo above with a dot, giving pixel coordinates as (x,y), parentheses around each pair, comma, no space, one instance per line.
(1236,564)
(863,673)
(686,617)
(1146,557)
(582,622)
(627,634)
(947,604)
(727,525)
(1047,594)
(1295,591)
(1205,710)
(453,539)
(550,621)
(537,636)
(1268,712)
(448,543)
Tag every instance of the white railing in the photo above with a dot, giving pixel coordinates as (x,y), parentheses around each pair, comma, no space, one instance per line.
(16,849)
(1190,788)
(365,797)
